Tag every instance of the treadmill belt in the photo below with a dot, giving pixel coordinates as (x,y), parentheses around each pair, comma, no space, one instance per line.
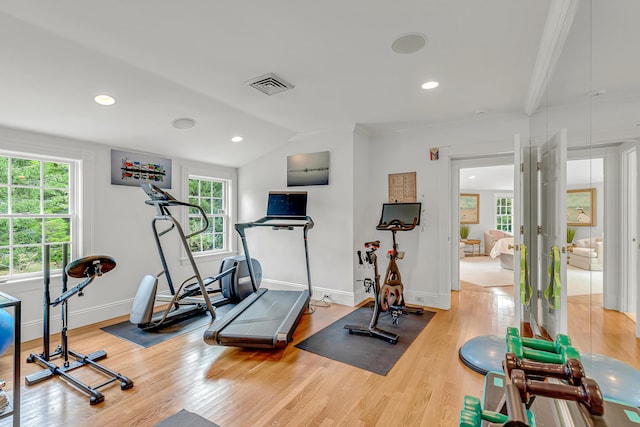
(265,319)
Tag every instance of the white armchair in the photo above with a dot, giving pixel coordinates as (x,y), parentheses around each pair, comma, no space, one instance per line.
(490,239)
(588,254)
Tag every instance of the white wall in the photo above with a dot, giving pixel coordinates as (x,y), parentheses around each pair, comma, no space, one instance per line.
(331,207)
(117,223)
(426,267)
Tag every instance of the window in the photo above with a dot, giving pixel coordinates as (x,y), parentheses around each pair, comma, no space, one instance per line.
(212,195)
(504,213)
(36,208)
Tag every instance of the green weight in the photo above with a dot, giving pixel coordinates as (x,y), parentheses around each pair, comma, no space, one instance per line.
(547,357)
(494,417)
(472,403)
(512,332)
(514,345)
(469,419)
(544,345)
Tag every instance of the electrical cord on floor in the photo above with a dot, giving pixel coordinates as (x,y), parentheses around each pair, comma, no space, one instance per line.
(324,302)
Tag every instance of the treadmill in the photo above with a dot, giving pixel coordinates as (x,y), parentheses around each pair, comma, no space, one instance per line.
(267,318)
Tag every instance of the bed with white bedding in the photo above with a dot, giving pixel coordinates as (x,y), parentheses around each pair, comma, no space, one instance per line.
(503,248)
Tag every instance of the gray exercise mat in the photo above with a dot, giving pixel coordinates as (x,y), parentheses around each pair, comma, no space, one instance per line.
(130,332)
(363,351)
(185,418)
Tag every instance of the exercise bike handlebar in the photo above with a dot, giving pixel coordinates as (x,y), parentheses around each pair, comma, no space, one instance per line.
(372,245)
(397,225)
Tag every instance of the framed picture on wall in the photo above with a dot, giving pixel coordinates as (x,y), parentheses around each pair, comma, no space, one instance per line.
(133,169)
(308,169)
(469,208)
(581,207)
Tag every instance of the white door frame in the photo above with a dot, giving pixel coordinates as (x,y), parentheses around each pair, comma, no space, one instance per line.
(456,165)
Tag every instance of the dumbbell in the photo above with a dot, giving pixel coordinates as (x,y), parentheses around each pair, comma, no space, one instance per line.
(543,345)
(514,345)
(587,393)
(572,370)
(469,419)
(473,404)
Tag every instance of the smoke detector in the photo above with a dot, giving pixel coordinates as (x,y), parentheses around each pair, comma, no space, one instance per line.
(270,84)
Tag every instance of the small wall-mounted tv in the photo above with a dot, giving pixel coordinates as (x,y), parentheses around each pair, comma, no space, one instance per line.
(405,212)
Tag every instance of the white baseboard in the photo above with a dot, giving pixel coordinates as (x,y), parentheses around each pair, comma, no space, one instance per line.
(34,329)
(338,297)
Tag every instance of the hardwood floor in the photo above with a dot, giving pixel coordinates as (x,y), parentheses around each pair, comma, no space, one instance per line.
(234,387)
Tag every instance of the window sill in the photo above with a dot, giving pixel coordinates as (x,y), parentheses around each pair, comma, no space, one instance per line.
(208,257)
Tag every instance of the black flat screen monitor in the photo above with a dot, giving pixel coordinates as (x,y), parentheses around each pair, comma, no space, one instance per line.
(405,212)
(287,204)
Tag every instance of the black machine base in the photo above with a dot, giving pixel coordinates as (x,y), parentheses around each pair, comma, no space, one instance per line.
(373,332)
(51,370)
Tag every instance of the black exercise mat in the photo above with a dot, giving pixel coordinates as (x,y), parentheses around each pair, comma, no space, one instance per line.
(130,332)
(185,418)
(363,351)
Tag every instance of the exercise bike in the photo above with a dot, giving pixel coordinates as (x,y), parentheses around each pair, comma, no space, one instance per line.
(372,330)
(88,268)
(195,295)
(397,217)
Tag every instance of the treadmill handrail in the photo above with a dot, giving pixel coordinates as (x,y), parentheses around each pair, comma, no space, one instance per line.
(305,222)
(302,221)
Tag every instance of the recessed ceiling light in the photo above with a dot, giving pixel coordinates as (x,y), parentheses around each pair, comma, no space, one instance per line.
(237,139)
(430,85)
(104,99)
(184,123)
(409,43)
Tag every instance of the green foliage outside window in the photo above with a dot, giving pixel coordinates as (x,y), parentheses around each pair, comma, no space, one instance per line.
(34,210)
(504,214)
(210,195)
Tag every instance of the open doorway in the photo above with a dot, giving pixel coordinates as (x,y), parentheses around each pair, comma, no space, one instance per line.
(486,226)
(486,253)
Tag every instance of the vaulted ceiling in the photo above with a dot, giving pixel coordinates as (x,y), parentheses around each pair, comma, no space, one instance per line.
(164,60)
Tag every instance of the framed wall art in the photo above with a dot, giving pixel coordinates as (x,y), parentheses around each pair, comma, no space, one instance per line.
(308,169)
(581,207)
(469,208)
(133,169)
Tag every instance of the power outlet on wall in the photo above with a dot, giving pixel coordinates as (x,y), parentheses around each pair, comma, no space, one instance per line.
(326,295)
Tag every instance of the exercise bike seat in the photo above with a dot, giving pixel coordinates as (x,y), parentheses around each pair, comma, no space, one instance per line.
(90,265)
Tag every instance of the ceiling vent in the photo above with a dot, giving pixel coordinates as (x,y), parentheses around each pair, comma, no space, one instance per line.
(270,84)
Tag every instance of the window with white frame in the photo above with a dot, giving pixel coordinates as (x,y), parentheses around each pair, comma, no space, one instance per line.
(504,212)
(37,208)
(212,195)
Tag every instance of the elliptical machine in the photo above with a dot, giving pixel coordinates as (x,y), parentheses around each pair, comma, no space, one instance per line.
(195,294)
